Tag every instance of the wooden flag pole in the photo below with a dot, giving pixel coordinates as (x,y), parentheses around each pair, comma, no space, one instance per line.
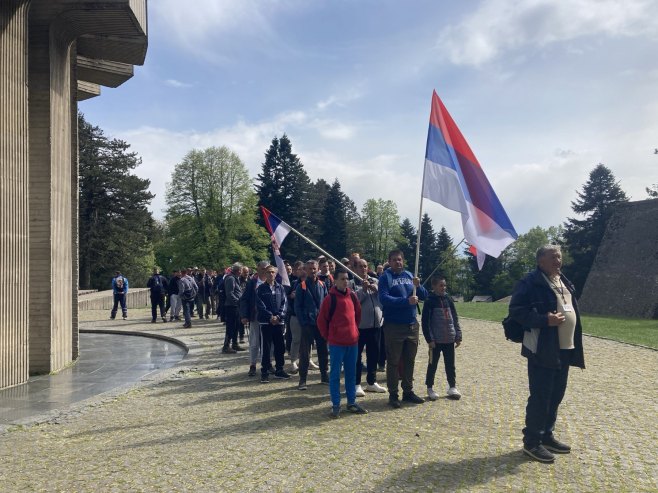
(453,250)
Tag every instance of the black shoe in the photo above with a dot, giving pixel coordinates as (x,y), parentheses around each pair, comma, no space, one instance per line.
(153,321)
(239,348)
(207,317)
(551,444)
(302,385)
(264,378)
(228,350)
(271,371)
(282,375)
(413,398)
(324,379)
(335,412)
(242,340)
(394,402)
(187,326)
(252,371)
(356,409)
(539,453)
(164,319)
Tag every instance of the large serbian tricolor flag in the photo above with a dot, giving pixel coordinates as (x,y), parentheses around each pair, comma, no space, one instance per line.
(278,231)
(454,178)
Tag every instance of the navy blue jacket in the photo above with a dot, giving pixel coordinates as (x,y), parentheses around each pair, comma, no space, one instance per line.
(308,298)
(269,304)
(248,299)
(531,302)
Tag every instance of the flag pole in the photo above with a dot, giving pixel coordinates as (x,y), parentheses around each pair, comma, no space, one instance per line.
(453,250)
(326,253)
(420,222)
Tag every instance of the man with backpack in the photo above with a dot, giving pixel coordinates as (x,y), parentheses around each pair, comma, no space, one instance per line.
(233,292)
(187,289)
(545,304)
(158,286)
(119,292)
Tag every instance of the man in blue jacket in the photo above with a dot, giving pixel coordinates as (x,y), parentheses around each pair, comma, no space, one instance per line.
(401,326)
(119,290)
(545,304)
(308,298)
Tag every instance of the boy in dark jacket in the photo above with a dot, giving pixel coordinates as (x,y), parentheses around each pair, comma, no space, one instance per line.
(338,322)
(443,334)
(271,312)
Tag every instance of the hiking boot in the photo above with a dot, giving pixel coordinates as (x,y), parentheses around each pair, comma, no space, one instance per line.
(356,409)
(335,412)
(264,378)
(302,385)
(281,375)
(359,392)
(454,394)
(252,371)
(375,387)
(431,395)
(412,398)
(228,350)
(394,402)
(551,444)
(239,348)
(324,379)
(539,453)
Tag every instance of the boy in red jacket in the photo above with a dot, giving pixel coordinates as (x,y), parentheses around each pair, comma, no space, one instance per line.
(338,323)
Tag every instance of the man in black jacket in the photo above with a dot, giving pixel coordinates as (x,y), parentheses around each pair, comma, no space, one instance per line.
(158,286)
(545,304)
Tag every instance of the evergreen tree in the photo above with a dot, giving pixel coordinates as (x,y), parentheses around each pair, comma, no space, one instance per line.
(334,235)
(448,261)
(115,225)
(284,188)
(596,201)
(407,241)
(317,198)
(429,251)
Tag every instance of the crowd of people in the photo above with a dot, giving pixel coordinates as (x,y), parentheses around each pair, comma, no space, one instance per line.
(346,310)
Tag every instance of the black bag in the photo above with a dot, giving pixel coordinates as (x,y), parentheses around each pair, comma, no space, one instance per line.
(513,330)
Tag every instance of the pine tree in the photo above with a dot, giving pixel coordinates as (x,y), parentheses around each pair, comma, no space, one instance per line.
(596,201)
(284,188)
(429,252)
(407,242)
(115,225)
(334,235)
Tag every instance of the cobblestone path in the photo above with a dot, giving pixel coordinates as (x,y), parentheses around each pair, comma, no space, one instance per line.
(206,426)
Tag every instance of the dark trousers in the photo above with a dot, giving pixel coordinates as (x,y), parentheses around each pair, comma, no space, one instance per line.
(167,303)
(382,348)
(271,335)
(199,304)
(311,333)
(157,301)
(448,351)
(401,349)
(368,338)
(119,298)
(232,321)
(288,335)
(547,388)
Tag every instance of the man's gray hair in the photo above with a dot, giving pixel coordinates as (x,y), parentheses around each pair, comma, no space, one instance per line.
(543,250)
(263,264)
(236,267)
(311,261)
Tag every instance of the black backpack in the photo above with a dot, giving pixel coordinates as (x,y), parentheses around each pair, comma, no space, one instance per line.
(333,301)
(514,331)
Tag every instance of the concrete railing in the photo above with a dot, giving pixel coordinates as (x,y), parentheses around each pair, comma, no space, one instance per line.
(103,300)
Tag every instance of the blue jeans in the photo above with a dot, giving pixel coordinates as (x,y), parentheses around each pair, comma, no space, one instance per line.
(345,357)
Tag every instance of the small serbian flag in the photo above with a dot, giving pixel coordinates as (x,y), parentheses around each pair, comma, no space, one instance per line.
(454,178)
(278,231)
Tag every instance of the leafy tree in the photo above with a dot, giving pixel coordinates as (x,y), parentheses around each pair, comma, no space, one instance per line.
(284,188)
(211,211)
(381,228)
(115,225)
(429,250)
(407,241)
(596,202)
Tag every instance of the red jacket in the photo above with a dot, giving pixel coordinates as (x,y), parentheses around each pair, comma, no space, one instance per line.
(343,328)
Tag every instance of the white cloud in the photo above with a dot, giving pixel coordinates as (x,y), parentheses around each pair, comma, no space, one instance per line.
(501,26)
(177,84)
(341,99)
(333,130)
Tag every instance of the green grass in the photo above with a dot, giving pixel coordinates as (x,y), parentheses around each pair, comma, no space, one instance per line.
(632,330)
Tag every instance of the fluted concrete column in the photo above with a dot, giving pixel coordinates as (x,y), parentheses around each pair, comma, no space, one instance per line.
(75,208)
(14,168)
(50,197)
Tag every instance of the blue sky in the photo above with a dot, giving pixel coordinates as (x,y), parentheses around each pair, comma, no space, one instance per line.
(542,90)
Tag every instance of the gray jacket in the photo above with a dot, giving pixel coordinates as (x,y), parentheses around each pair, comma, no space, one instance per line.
(233,290)
(371,307)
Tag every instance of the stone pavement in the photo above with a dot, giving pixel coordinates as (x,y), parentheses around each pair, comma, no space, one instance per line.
(206,426)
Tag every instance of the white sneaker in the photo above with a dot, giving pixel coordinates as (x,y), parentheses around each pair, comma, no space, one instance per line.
(312,365)
(431,395)
(359,391)
(375,387)
(294,366)
(453,393)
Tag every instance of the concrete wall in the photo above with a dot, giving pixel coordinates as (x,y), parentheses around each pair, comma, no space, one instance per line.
(14,166)
(103,300)
(623,280)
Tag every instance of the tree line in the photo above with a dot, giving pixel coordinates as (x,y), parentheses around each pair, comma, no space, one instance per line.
(212,220)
